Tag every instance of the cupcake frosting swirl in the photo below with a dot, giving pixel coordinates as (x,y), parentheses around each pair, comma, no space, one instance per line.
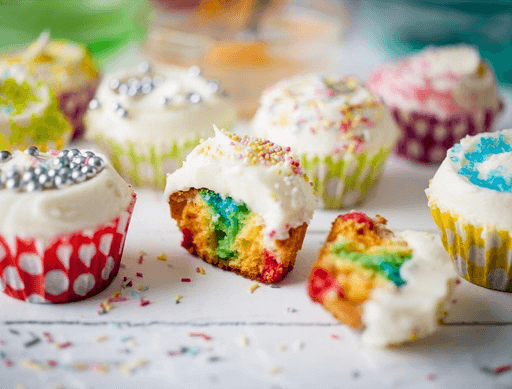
(323,116)
(475,179)
(265,176)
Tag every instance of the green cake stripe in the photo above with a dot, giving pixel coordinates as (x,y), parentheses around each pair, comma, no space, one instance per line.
(228,218)
(386,263)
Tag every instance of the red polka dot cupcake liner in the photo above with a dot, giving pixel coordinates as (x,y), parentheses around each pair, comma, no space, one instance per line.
(74,104)
(69,267)
(425,138)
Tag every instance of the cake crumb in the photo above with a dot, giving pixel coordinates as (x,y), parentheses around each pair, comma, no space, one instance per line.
(253,287)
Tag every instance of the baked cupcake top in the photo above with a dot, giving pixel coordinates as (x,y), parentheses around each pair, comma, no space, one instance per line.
(324,116)
(46,194)
(29,110)
(475,180)
(266,177)
(61,64)
(442,80)
(157,105)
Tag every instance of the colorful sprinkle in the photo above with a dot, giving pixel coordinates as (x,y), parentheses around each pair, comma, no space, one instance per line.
(253,288)
(200,335)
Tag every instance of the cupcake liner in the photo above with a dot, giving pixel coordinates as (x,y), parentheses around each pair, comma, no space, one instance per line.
(425,138)
(146,165)
(70,267)
(74,104)
(344,183)
(481,255)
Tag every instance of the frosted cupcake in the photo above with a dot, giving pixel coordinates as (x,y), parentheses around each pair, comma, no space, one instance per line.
(470,198)
(394,288)
(29,112)
(243,204)
(64,221)
(437,97)
(341,131)
(150,118)
(69,71)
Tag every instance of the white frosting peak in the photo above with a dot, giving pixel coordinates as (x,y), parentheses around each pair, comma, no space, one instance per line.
(263,175)
(394,316)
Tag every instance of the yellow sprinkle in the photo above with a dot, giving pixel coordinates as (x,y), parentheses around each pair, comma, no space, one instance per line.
(200,270)
(275,370)
(178,298)
(282,347)
(253,287)
(20,386)
(102,368)
(80,366)
(101,338)
(141,288)
(244,341)
(133,343)
(162,257)
(35,366)
(127,368)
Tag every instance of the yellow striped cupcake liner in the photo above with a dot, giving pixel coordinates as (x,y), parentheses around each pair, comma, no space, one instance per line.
(481,255)
(146,166)
(345,183)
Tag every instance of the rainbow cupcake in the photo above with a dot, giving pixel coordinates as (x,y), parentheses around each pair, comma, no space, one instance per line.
(437,97)
(340,130)
(470,197)
(243,204)
(65,216)
(392,287)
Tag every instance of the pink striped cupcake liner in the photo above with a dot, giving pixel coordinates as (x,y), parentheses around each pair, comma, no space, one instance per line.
(70,267)
(75,102)
(425,138)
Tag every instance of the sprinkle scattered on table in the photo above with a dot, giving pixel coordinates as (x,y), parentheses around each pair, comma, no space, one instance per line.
(244,341)
(253,288)
(63,345)
(162,257)
(179,297)
(282,347)
(139,274)
(129,367)
(335,336)
(200,335)
(100,338)
(497,370)
(34,365)
(185,280)
(200,270)
(431,377)
(275,370)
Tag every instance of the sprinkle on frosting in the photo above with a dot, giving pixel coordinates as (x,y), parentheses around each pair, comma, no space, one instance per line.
(14,96)
(487,164)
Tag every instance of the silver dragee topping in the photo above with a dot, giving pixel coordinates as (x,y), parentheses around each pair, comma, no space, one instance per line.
(68,167)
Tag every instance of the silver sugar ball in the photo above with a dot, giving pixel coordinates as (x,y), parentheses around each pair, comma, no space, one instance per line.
(194,98)
(116,106)
(121,112)
(12,182)
(146,80)
(64,172)
(89,171)
(147,88)
(133,91)
(39,170)
(12,173)
(123,89)
(33,151)
(28,176)
(164,100)
(114,84)
(78,176)
(63,153)
(96,162)
(158,80)
(144,67)
(79,160)
(94,104)
(52,173)
(32,186)
(62,182)
(73,153)
(213,86)
(194,71)
(178,99)
(5,156)
(88,153)
(45,181)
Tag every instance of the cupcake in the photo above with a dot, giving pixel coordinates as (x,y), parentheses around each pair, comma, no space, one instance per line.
(437,97)
(243,204)
(394,288)
(69,71)
(64,220)
(148,119)
(470,198)
(29,112)
(341,132)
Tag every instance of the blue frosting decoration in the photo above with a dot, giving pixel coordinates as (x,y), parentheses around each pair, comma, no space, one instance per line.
(495,179)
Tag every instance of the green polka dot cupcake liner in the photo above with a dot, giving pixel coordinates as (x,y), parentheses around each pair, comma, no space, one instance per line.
(146,165)
(345,183)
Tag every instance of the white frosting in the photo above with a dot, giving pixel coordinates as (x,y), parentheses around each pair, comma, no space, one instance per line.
(307,113)
(278,192)
(502,161)
(451,191)
(21,74)
(151,122)
(442,80)
(392,315)
(48,213)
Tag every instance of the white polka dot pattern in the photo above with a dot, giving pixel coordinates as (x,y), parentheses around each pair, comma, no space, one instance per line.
(56,282)
(86,253)
(83,284)
(31,264)
(105,243)
(109,266)
(12,278)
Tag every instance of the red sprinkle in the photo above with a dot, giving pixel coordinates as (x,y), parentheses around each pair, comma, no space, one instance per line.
(431,376)
(200,335)
(65,344)
(173,353)
(335,336)
(48,337)
(503,369)
(143,302)
(7,362)
(51,362)
(139,274)
(141,259)
(185,280)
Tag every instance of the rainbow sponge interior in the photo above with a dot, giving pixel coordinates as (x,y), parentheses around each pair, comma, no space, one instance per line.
(227,234)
